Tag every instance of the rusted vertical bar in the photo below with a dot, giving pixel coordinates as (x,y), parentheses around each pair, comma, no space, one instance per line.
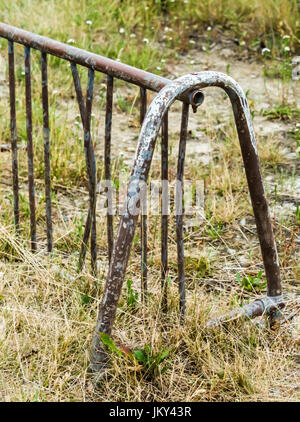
(78,91)
(144,238)
(91,165)
(13,131)
(30,148)
(164,211)
(80,100)
(107,161)
(179,207)
(46,149)
(258,199)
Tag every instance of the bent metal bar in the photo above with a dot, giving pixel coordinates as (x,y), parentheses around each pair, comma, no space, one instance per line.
(154,119)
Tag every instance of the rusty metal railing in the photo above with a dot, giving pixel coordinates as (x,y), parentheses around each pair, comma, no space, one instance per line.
(155,117)
(188,90)
(94,62)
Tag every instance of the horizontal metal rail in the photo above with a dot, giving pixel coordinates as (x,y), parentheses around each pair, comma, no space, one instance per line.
(102,64)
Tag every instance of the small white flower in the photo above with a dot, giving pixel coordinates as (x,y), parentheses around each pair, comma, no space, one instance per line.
(167,29)
(208,28)
(297,124)
(146,41)
(89,22)
(122,30)
(146,7)
(132,35)
(286,37)
(163,61)
(203,48)
(265,50)
(192,62)
(71,41)
(286,48)
(158,68)
(186,1)
(231,251)
(192,42)
(118,60)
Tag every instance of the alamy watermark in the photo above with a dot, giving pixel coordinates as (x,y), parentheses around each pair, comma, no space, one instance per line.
(157,197)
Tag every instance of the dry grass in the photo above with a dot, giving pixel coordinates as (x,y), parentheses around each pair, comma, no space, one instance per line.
(48,309)
(47,322)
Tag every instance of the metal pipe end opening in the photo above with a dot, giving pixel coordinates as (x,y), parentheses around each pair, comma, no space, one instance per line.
(196,99)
